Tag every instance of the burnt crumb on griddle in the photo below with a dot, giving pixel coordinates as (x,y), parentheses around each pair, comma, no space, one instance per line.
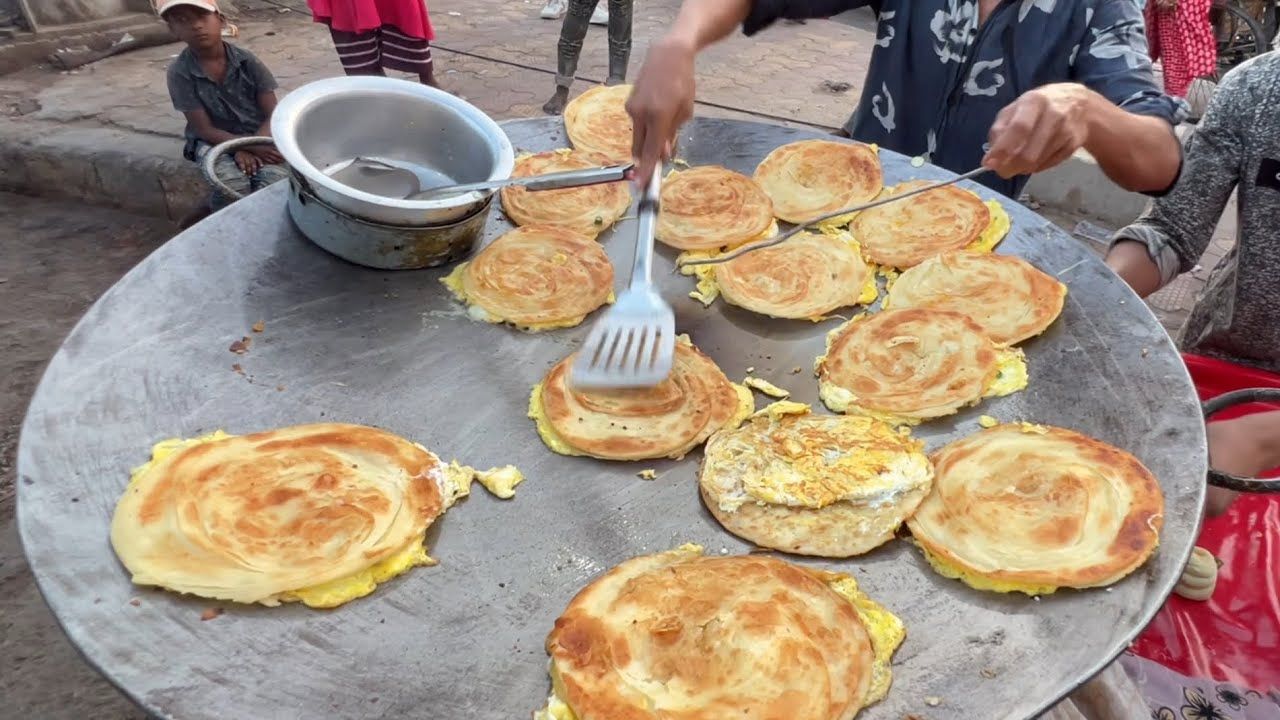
(237,369)
(988,673)
(241,346)
(259,326)
(135,602)
(210,613)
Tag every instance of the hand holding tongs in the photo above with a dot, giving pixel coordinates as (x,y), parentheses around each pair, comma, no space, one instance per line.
(779,239)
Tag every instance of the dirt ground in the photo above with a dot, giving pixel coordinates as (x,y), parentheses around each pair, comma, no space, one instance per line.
(56,260)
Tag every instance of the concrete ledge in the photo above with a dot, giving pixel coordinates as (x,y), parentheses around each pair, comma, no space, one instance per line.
(143,174)
(1079,186)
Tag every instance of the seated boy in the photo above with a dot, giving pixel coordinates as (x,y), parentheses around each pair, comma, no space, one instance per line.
(225,93)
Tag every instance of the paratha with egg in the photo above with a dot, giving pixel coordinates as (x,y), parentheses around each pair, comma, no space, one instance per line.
(914,364)
(587,210)
(682,635)
(806,277)
(905,233)
(811,178)
(314,513)
(667,420)
(536,278)
(712,208)
(1031,508)
(826,485)
(1007,296)
(598,124)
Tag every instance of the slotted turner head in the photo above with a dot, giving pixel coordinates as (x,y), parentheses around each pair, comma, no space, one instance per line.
(633,344)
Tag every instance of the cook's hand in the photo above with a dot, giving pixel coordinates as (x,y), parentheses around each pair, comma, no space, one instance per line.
(661,101)
(267,154)
(247,162)
(1039,130)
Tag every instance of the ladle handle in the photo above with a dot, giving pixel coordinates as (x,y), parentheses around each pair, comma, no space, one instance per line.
(1222,402)
(217,151)
(550,181)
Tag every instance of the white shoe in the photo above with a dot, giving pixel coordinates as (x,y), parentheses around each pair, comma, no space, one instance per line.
(601,15)
(553,10)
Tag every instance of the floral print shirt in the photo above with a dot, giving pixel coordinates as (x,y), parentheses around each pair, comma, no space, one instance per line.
(938,77)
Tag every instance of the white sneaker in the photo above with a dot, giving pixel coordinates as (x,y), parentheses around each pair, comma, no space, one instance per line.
(553,10)
(601,14)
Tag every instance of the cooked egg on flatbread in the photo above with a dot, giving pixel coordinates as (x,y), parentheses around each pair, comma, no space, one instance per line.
(807,277)
(712,208)
(1032,508)
(667,420)
(319,514)
(811,178)
(914,364)
(905,233)
(536,278)
(1006,295)
(682,635)
(598,124)
(587,210)
(826,485)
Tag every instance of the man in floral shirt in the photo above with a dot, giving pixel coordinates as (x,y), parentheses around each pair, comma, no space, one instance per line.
(1014,85)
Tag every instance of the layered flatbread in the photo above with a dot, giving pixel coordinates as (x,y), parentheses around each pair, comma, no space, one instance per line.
(812,178)
(535,277)
(598,124)
(711,208)
(586,210)
(904,234)
(1030,508)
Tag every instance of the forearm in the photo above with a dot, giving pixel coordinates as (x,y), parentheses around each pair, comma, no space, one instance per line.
(703,22)
(1138,152)
(214,136)
(1133,263)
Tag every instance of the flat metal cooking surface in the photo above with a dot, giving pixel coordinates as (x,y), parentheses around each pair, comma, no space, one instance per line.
(465,640)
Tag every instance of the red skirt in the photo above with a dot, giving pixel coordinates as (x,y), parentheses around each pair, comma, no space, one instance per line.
(1182,40)
(358,16)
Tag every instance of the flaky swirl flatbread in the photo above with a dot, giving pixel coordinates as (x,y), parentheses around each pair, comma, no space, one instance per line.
(668,420)
(808,276)
(685,637)
(598,124)
(251,518)
(1030,506)
(811,178)
(587,210)
(535,277)
(1007,296)
(709,208)
(906,233)
(826,485)
(914,364)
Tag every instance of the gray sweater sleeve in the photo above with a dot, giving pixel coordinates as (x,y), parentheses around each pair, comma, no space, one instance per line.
(1177,227)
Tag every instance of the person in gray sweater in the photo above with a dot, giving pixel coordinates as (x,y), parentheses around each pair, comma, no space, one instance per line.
(1235,148)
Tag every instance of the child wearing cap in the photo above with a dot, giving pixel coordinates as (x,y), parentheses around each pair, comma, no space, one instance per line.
(225,93)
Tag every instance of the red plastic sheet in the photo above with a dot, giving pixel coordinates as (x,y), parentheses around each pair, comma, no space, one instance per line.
(1235,636)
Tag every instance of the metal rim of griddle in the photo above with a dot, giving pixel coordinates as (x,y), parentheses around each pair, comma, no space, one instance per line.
(1227,400)
(81,434)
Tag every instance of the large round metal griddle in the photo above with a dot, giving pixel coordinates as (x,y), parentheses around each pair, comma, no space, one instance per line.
(465,639)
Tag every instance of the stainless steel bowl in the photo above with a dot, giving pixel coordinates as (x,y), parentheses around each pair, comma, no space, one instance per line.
(322,126)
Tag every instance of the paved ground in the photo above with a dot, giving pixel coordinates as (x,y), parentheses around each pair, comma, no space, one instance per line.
(57,260)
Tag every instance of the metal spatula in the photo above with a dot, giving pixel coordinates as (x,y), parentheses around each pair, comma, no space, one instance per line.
(402,175)
(633,344)
(779,239)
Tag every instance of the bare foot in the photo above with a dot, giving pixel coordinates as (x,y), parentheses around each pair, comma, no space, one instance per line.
(555,106)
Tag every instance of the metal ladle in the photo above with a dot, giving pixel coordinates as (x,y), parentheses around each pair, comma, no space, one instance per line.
(403,176)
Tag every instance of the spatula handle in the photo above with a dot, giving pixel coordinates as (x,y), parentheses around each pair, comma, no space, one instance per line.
(642,266)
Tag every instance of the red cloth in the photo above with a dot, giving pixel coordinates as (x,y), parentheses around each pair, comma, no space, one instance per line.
(1235,636)
(357,16)
(1182,39)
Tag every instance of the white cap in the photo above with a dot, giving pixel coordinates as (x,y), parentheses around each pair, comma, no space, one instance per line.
(163,6)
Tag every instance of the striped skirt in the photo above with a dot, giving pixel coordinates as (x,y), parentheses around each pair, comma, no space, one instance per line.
(372,51)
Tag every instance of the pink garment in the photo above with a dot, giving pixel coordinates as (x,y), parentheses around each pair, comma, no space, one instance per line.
(357,16)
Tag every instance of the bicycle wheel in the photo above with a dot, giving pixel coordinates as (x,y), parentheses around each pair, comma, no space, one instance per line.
(1239,37)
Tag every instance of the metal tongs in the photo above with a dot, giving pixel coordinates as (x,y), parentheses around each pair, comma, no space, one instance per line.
(633,344)
(779,239)
(550,181)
